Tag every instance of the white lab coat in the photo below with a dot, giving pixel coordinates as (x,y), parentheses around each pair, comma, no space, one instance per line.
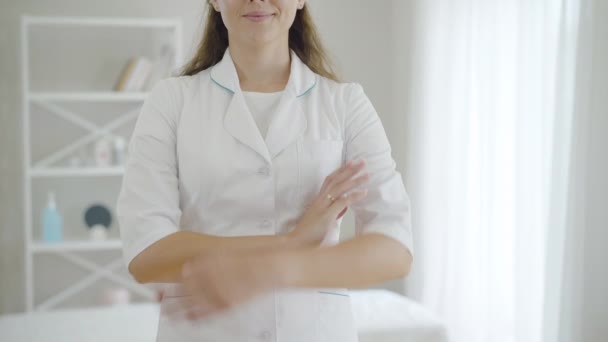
(198,162)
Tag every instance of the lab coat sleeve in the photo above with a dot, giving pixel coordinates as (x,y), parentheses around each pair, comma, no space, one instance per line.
(148,203)
(386,208)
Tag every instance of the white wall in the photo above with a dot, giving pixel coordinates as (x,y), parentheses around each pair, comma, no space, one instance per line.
(399,125)
(595,278)
(361,43)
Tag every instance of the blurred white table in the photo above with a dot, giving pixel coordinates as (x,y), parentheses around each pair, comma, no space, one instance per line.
(385,316)
(381,316)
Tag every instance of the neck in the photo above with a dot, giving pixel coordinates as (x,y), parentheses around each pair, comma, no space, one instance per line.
(263,68)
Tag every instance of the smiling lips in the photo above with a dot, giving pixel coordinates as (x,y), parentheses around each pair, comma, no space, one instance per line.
(258,16)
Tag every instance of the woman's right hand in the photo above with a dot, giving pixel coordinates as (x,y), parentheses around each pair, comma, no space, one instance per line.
(330,204)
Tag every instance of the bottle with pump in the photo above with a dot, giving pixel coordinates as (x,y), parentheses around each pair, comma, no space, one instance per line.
(52,223)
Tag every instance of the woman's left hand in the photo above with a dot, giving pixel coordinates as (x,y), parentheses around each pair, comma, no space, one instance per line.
(215,283)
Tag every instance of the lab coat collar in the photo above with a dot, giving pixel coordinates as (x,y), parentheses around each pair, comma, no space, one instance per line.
(289,120)
(301,78)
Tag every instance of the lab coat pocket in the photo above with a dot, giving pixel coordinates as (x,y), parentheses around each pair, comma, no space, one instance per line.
(317,159)
(336,322)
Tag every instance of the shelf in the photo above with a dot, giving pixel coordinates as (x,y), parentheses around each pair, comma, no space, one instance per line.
(109,96)
(76,172)
(103,21)
(66,98)
(76,246)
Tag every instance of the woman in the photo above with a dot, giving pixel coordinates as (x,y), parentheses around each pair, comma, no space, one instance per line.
(239,173)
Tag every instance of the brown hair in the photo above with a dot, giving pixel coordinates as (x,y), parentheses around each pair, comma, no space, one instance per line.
(303,40)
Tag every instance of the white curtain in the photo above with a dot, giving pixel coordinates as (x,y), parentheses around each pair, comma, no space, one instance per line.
(489,128)
(576,298)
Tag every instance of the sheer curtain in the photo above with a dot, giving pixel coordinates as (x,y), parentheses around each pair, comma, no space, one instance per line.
(576,301)
(491,105)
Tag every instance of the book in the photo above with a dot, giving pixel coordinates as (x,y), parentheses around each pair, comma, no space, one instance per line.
(134,75)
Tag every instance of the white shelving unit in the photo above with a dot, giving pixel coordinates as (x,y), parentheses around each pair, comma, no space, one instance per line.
(76,172)
(45,168)
(87,96)
(76,246)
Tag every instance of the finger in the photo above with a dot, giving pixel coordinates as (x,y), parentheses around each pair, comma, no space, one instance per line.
(177,308)
(346,165)
(201,295)
(211,302)
(342,168)
(197,312)
(207,291)
(195,283)
(342,213)
(345,172)
(338,190)
(333,174)
(350,169)
(186,308)
(346,201)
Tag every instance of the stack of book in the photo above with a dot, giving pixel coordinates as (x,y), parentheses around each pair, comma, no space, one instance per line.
(135,75)
(141,73)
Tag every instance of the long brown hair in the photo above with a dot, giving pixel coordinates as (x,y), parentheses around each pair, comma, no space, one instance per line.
(304,40)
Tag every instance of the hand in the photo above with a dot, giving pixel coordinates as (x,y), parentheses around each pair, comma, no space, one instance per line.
(322,214)
(218,282)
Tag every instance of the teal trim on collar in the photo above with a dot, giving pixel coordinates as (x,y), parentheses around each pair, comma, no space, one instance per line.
(232,91)
(216,82)
(309,89)
(334,293)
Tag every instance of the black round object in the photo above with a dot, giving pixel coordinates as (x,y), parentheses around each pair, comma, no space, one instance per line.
(98,215)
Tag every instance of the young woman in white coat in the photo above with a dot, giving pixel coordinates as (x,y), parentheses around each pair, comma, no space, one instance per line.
(239,172)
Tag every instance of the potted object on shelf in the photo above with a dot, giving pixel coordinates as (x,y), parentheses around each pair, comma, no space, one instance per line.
(103,152)
(119,151)
(98,219)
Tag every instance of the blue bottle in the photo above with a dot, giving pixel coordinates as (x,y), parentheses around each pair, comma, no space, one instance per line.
(52,223)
